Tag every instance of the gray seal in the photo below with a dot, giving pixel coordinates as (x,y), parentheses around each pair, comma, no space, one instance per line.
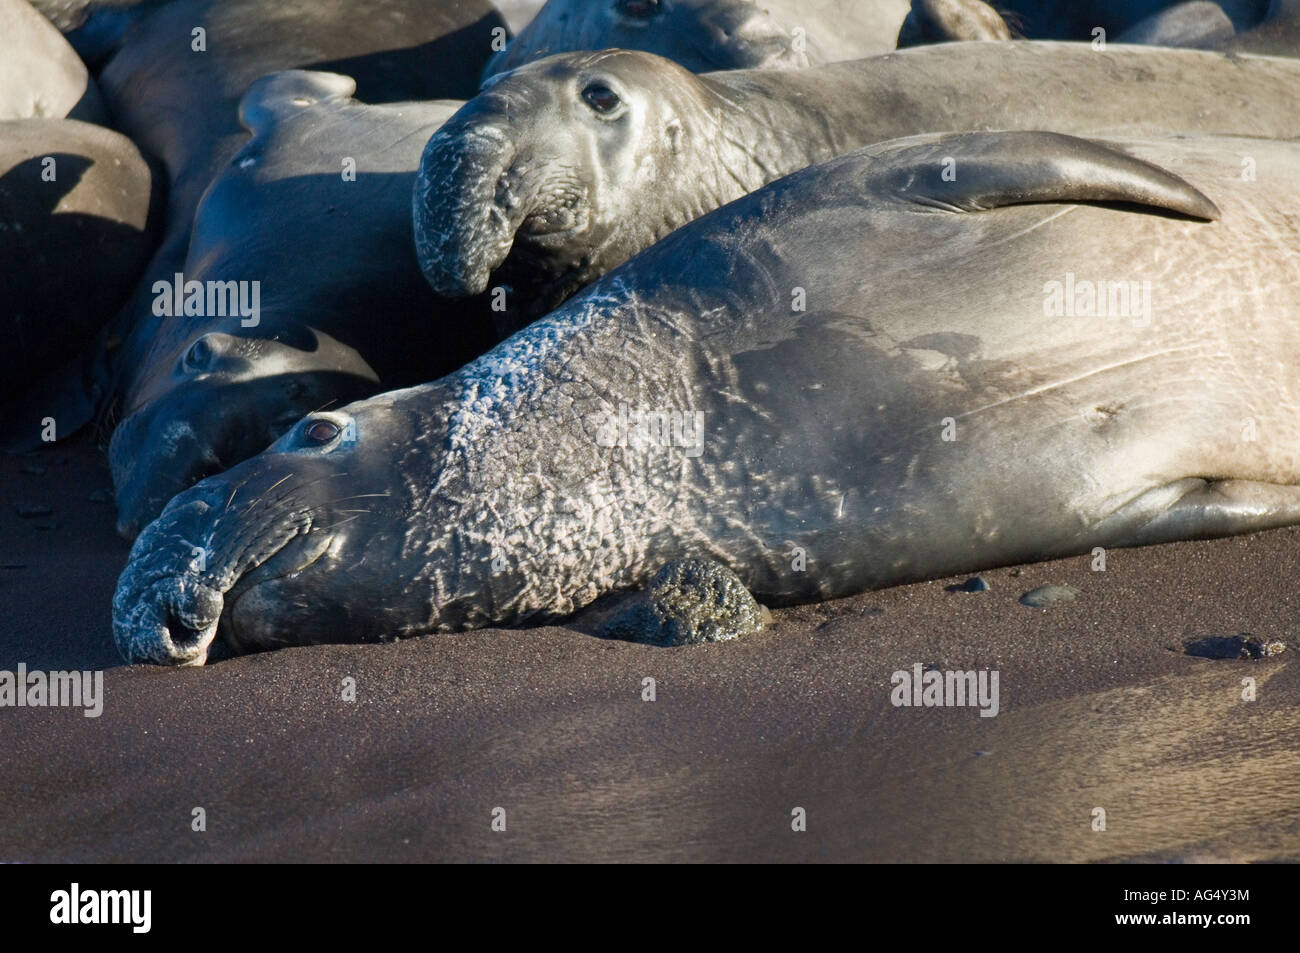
(773,388)
(315,209)
(706,35)
(565,168)
(41,76)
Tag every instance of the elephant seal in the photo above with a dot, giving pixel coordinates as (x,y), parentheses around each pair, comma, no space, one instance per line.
(951,21)
(80,210)
(707,35)
(1198,24)
(564,168)
(40,74)
(175,81)
(774,389)
(1080,19)
(316,209)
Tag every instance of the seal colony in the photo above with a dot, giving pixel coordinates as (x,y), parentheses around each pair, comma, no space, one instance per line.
(787,315)
(503,493)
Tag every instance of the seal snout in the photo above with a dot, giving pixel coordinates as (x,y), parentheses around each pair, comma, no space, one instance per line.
(172,623)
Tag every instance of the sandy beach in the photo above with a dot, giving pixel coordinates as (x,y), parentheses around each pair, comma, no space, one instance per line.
(1099,707)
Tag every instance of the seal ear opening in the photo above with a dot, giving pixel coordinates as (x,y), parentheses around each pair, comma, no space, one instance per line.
(976,172)
(277,94)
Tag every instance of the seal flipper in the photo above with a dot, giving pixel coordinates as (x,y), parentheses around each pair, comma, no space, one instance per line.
(277,94)
(1199,509)
(988,170)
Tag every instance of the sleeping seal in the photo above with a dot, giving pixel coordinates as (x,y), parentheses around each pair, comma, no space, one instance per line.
(174,83)
(864,374)
(705,35)
(316,209)
(566,167)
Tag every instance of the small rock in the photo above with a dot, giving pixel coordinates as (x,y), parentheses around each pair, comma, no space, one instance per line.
(31,510)
(1244,646)
(973,584)
(873,611)
(1046,596)
(688,602)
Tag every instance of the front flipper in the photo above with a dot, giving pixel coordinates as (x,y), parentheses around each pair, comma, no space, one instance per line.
(976,172)
(1200,509)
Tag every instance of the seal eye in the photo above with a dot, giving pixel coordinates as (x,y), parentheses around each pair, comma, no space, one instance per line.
(321,431)
(601,98)
(638,9)
(199,356)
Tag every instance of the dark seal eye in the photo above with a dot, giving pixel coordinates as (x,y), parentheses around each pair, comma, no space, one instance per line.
(321,431)
(601,98)
(199,356)
(638,9)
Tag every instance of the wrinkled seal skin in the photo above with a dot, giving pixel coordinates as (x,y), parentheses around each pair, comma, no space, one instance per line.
(181,105)
(71,248)
(707,35)
(41,76)
(951,21)
(531,187)
(344,310)
(500,494)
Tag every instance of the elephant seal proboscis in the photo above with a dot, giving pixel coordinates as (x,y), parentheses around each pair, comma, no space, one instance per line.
(175,81)
(80,213)
(41,76)
(561,170)
(706,35)
(313,214)
(861,375)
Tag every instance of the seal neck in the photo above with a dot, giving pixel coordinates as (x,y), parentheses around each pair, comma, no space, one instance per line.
(557,474)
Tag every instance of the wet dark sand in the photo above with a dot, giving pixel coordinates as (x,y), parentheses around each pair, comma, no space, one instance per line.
(1100,708)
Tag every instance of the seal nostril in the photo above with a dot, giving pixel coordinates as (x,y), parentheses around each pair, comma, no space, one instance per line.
(190,614)
(182,636)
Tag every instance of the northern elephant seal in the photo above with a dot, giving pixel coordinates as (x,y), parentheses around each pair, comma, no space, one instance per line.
(561,170)
(774,388)
(80,212)
(705,35)
(40,74)
(176,78)
(951,21)
(315,209)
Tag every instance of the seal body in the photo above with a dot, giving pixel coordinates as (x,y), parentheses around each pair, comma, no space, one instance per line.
(707,35)
(41,76)
(80,211)
(177,75)
(309,227)
(566,167)
(773,388)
